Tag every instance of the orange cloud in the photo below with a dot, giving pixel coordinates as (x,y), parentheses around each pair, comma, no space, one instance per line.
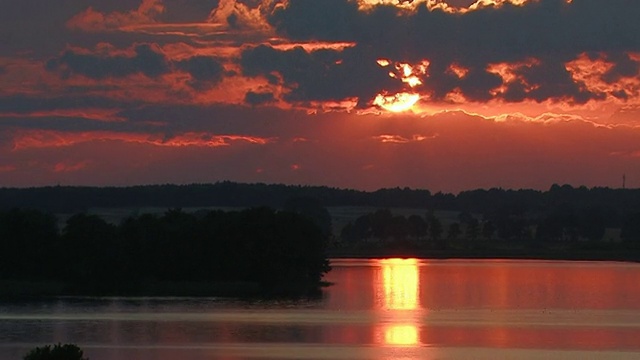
(67,166)
(7,168)
(31,139)
(596,75)
(398,139)
(91,20)
(236,15)
(412,5)
(106,115)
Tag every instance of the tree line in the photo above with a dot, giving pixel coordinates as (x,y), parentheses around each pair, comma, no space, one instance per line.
(70,199)
(274,250)
(565,224)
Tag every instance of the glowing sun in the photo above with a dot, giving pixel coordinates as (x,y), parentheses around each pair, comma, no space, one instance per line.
(398,102)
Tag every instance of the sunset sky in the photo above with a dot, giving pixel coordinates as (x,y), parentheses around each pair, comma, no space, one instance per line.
(447,95)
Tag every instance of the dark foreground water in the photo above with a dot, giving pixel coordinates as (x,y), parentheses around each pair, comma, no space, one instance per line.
(377,309)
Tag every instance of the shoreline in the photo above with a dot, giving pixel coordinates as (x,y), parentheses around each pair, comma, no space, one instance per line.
(575,255)
(14,289)
(26,289)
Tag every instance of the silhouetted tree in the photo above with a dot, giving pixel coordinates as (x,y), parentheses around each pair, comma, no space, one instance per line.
(381,223)
(472,229)
(630,232)
(435,230)
(417,227)
(454,231)
(89,253)
(312,208)
(57,352)
(488,229)
(27,239)
(399,228)
(592,223)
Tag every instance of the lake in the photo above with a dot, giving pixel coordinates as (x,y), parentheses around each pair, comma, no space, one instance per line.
(377,309)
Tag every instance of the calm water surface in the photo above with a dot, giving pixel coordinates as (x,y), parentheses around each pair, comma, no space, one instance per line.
(377,309)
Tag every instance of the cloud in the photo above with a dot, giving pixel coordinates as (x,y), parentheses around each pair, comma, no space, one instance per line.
(65,104)
(69,166)
(7,168)
(258,98)
(147,59)
(489,34)
(553,32)
(37,139)
(242,15)
(91,20)
(399,139)
(321,75)
(203,70)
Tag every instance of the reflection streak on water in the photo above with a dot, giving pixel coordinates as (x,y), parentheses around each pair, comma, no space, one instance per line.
(400,282)
(400,286)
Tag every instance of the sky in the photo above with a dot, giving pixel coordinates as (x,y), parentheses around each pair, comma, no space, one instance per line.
(445,95)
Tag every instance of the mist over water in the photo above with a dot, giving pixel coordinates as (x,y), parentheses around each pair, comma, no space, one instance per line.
(376,309)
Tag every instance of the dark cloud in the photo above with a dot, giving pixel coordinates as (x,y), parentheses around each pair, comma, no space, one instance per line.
(319,20)
(35,26)
(147,59)
(258,98)
(489,34)
(549,79)
(552,31)
(322,75)
(204,70)
(624,67)
(185,11)
(22,104)
(477,84)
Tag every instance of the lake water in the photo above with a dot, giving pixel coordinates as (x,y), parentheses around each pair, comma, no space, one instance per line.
(377,309)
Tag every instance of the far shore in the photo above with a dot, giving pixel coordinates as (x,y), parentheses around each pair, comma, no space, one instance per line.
(620,255)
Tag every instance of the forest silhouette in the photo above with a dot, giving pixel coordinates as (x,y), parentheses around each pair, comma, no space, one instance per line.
(257,251)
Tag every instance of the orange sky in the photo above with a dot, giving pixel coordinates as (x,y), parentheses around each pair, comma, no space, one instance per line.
(444,95)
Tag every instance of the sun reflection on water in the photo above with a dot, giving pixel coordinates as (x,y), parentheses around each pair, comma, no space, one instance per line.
(400,302)
(401,335)
(400,281)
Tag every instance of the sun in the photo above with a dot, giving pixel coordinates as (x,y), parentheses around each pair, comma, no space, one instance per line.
(399,102)
(409,74)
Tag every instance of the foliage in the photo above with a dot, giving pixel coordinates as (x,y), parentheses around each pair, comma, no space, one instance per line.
(70,199)
(258,245)
(57,352)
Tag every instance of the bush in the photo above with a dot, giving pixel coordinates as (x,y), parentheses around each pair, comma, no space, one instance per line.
(57,352)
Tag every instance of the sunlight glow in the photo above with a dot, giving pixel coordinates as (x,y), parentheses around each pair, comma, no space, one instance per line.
(410,74)
(396,103)
(383,62)
(458,70)
(401,335)
(400,278)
